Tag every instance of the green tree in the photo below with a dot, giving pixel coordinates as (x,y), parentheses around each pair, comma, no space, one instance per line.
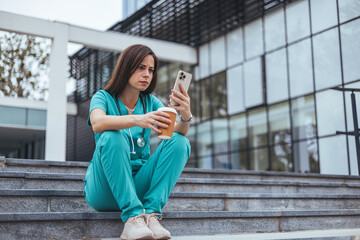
(24,64)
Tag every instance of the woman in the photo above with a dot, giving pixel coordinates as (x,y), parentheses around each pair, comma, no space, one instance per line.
(122,176)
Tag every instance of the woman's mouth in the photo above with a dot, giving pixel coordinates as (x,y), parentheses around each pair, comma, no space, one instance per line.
(144,82)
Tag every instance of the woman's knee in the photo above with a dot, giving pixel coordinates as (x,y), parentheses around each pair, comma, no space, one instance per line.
(180,143)
(114,139)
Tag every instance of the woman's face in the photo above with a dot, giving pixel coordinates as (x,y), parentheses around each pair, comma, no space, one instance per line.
(141,78)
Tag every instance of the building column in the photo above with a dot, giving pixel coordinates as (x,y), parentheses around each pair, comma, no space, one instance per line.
(55,145)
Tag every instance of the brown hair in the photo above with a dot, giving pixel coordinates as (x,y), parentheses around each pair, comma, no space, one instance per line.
(127,63)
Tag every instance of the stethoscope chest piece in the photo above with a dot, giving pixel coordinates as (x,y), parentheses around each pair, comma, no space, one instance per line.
(140,142)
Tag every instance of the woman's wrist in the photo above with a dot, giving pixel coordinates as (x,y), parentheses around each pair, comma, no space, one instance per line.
(186,120)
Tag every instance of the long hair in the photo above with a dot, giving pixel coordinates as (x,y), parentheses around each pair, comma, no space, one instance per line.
(127,63)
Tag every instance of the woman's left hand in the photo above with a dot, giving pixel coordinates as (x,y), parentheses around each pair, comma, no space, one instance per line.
(183,99)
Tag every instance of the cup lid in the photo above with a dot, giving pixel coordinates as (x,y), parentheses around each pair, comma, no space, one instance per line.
(167,109)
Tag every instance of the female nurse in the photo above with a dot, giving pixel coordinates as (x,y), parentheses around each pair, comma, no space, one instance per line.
(122,176)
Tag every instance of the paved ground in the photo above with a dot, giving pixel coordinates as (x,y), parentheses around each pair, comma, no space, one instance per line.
(353,234)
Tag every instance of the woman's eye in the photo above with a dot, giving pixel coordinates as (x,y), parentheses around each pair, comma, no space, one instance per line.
(141,67)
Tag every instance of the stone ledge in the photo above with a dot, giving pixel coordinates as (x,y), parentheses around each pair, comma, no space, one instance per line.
(37,163)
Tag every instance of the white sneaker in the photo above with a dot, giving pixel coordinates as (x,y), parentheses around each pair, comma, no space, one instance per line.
(135,228)
(159,232)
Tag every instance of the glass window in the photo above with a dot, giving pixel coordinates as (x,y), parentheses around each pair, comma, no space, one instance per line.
(219,95)
(297,19)
(217,48)
(221,135)
(204,145)
(173,71)
(36,117)
(235,47)
(239,160)
(323,14)
(222,161)
(350,45)
(349,111)
(259,160)
(306,158)
(195,101)
(253,83)
(333,155)
(330,112)
(354,170)
(276,76)
(238,132)
(349,9)
(303,117)
(12,115)
(205,99)
(327,59)
(300,68)
(204,60)
(196,75)
(254,39)
(191,136)
(281,159)
(279,118)
(235,89)
(257,127)
(162,80)
(275,30)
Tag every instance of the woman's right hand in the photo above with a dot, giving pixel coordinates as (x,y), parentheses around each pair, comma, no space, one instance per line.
(152,119)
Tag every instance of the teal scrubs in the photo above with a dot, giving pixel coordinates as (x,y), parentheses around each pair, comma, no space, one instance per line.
(117,180)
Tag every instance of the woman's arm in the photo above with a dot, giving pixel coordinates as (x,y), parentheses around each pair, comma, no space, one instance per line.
(101,122)
(183,99)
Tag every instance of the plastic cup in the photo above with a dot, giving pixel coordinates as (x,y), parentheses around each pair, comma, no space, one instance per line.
(166,133)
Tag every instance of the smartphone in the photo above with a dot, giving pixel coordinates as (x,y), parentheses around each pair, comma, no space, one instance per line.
(184,78)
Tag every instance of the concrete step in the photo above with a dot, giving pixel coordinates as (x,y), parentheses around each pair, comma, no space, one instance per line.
(42,166)
(21,180)
(87,225)
(17,201)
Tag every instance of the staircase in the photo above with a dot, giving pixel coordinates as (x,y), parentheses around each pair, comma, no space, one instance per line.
(44,200)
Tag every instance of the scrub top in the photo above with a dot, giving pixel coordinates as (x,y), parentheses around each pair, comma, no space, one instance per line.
(103,100)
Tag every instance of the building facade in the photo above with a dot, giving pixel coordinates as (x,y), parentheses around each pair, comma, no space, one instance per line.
(262,95)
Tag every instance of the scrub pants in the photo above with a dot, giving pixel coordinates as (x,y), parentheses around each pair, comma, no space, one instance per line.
(110,184)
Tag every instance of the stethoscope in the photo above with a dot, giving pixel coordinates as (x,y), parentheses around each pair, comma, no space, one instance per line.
(140,141)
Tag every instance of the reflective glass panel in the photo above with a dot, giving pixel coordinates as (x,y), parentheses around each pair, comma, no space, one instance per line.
(330,112)
(205,99)
(253,83)
(239,160)
(219,95)
(350,45)
(354,170)
(276,76)
(217,48)
(36,117)
(303,117)
(191,136)
(235,47)
(275,30)
(238,132)
(221,135)
(235,96)
(259,160)
(300,67)
(333,155)
(323,14)
(254,39)
(349,9)
(257,127)
(281,159)
(12,115)
(204,139)
(222,161)
(327,59)
(306,158)
(204,60)
(194,94)
(279,119)
(349,107)
(297,19)
(162,80)
(206,162)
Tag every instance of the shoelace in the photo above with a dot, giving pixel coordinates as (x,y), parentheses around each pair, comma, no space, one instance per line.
(139,219)
(153,218)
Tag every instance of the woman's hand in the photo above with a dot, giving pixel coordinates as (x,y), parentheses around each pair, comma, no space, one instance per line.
(183,99)
(149,120)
